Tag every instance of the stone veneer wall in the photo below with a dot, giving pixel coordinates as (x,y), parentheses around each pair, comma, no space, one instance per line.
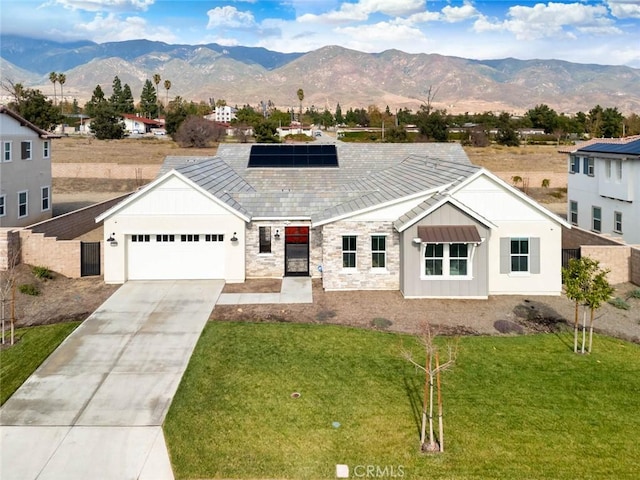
(334,277)
(615,258)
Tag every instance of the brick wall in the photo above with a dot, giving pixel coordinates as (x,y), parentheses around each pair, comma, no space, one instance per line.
(635,265)
(76,223)
(363,277)
(615,258)
(104,170)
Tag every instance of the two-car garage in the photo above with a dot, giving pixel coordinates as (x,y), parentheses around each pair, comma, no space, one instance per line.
(175,256)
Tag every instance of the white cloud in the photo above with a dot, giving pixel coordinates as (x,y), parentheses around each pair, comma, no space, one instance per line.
(111,28)
(624,8)
(381,36)
(458,14)
(550,20)
(104,5)
(230,17)
(360,11)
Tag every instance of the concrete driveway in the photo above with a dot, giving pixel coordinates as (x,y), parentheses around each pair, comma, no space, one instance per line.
(95,408)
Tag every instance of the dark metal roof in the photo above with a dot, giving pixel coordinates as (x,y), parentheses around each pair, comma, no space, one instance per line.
(631,148)
(449,234)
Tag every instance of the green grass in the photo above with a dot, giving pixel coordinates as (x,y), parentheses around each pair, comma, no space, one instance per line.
(515,407)
(32,346)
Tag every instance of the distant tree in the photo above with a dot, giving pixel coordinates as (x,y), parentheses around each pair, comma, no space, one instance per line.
(128,104)
(106,124)
(198,132)
(396,134)
(53,78)
(97,98)
(156,81)
(433,124)
(632,125)
(75,108)
(116,100)
(149,100)
(612,122)
(338,116)
(405,117)
(541,116)
(221,102)
(300,94)
(507,135)
(167,86)
(279,117)
(33,106)
(247,116)
(327,119)
(265,131)
(62,79)
(177,112)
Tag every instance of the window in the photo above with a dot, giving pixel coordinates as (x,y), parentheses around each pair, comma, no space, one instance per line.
(575,164)
(46,149)
(607,168)
(458,259)
(349,251)
(213,238)
(619,169)
(433,259)
(140,238)
(3,205)
(378,251)
(165,238)
(265,240)
(588,166)
(519,254)
(596,215)
(617,222)
(46,202)
(447,260)
(573,212)
(6,152)
(26,150)
(189,238)
(23,204)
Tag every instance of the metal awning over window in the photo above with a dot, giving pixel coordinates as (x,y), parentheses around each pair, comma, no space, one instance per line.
(449,234)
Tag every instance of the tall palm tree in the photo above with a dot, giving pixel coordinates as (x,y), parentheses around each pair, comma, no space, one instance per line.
(167,86)
(62,78)
(300,97)
(53,78)
(156,80)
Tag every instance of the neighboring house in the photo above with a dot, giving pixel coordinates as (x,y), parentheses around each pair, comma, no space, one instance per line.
(223,114)
(296,128)
(25,171)
(140,125)
(418,218)
(604,187)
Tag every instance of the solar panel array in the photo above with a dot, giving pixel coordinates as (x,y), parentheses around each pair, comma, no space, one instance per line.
(631,148)
(293,156)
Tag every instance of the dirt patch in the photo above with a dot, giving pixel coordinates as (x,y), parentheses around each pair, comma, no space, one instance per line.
(528,158)
(257,285)
(388,310)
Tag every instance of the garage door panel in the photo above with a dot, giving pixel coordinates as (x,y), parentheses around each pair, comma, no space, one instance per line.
(177,259)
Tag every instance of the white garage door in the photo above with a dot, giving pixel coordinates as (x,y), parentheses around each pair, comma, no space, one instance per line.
(175,256)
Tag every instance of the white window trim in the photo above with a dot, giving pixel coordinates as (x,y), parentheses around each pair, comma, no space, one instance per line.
(618,170)
(615,222)
(593,219)
(10,151)
(46,149)
(26,203)
(574,160)
(30,157)
(446,265)
(343,251)
(3,212)
(379,269)
(571,212)
(591,167)
(522,273)
(607,168)
(42,189)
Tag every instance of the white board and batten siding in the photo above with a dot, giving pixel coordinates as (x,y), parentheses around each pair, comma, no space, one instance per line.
(174,231)
(517,218)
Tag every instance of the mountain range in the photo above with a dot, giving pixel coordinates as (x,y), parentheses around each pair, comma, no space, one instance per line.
(328,76)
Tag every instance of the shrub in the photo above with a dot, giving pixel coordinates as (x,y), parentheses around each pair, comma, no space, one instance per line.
(29,289)
(42,272)
(634,293)
(619,303)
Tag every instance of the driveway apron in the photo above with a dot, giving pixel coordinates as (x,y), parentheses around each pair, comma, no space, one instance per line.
(95,407)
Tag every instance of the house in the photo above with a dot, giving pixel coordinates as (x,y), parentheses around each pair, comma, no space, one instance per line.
(419,218)
(603,187)
(25,171)
(224,114)
(139,125)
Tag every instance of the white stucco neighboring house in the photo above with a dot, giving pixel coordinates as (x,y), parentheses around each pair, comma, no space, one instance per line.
(604,187)
(419,218)
(25,171)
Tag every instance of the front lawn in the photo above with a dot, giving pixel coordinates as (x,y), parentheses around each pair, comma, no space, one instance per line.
(515,407)
(32,346)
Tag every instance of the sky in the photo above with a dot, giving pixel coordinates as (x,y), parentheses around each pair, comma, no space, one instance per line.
(603,32)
